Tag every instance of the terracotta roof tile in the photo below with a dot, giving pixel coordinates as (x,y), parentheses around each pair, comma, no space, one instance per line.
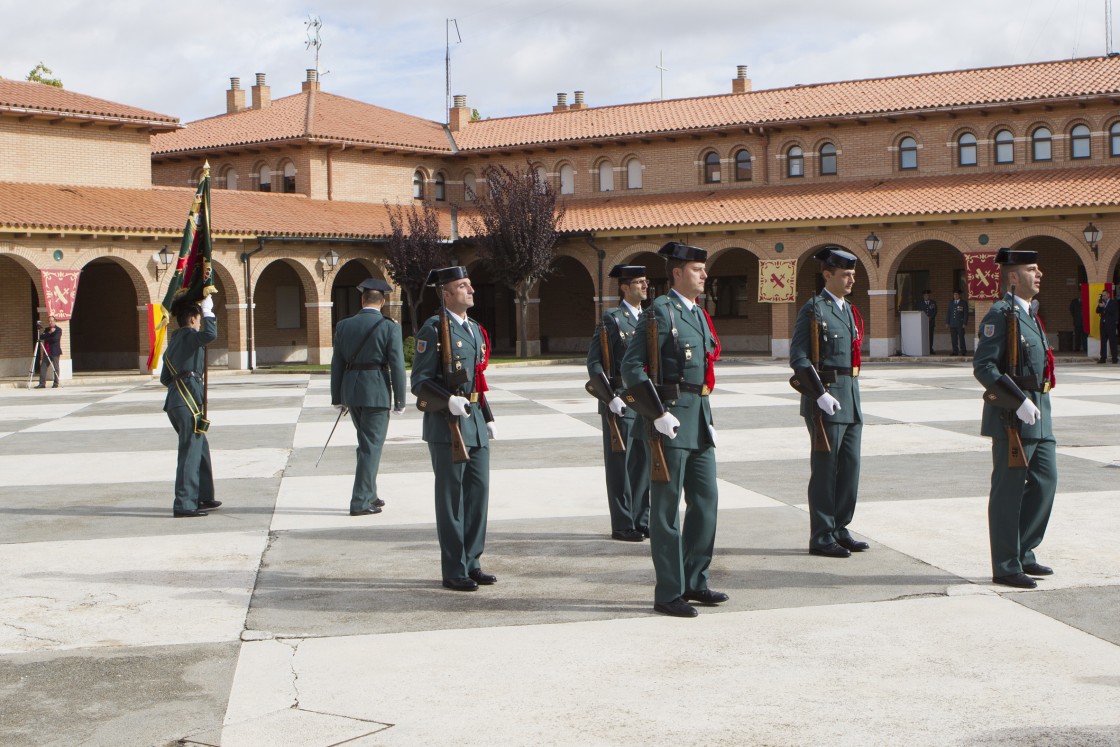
(163,210)
(31,97)
(957,88)
(922,196)
(331,118)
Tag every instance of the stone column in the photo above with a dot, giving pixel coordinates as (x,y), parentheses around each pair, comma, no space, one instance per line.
(320,340)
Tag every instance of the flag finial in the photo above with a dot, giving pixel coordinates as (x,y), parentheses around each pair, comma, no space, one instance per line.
(206,168)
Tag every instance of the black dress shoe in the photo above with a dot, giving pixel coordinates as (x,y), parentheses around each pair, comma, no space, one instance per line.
(366,511)
(460,584)
(644,531)
(832,550)
(378,503)
(1018,580)
(853,545)
(209,505)
(482,578)
(706,597)
(189,514)
(1037,569)
(676,608)
(627,535)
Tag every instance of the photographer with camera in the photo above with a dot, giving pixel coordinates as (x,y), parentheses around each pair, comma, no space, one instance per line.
(1108,309)
(51,340)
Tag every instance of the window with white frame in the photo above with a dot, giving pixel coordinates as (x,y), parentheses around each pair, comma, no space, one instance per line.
(606,176)
(1080,145)
(567,179)
(633,174)
(265,179)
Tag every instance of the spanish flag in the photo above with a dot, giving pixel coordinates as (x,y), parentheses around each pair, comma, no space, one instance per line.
(157,333)
(1090,295)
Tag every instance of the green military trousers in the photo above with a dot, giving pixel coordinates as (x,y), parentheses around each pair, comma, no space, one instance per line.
(372,423)
(833,483)
(627,477)
(681,555)
(1020,503)
(194,477)
(462,497)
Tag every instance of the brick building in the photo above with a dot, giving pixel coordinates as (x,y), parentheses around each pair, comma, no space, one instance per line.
(933,166)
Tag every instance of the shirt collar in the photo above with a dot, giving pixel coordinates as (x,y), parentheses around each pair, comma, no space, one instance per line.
(458,319)
(839,301)
(1024,305)
(688,304)
(637,312)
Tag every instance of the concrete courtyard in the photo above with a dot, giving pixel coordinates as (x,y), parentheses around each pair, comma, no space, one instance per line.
(281,620)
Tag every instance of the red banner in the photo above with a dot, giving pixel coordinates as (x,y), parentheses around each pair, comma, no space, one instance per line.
(59,290)
(983,276)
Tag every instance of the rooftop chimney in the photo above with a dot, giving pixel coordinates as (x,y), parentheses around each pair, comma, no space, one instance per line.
(579,101)
(741,83)
(262,94)
(312,82)
(561,103)
(235,97)
(459,115)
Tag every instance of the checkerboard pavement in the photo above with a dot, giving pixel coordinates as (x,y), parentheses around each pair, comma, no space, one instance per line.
(280,619)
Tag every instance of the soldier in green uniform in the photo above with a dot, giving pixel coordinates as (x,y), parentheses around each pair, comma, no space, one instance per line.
(627,471)
(367,377)
(831,385)
(454,393)
(1017,399)
(676,405)
(183,366)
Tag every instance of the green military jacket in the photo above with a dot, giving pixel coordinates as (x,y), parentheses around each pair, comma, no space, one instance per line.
(621,325)
(990,362)
(837,330)
(682,360)
(381,386)
(186,351)
(467,351)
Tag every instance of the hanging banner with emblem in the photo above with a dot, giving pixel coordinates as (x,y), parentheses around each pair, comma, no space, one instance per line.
(777,280)
(983,276)
(60,287)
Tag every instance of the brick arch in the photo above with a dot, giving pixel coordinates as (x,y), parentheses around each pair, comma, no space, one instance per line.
(844,242)
(998,127)
(630,251)
(303,268)
(913,240)
(229,283)
(136,274)
(721,246)
(1074,241)
(26,258)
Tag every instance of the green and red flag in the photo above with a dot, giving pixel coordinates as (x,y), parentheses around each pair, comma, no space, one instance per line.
(193,278)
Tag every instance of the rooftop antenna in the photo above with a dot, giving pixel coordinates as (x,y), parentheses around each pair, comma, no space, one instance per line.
(1108,28)
(313,25)
(662,68)
(447,64)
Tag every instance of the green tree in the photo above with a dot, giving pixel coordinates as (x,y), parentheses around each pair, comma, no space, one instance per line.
(42,74)
(415,247)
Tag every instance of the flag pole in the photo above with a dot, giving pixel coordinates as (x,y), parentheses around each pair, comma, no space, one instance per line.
(205,352)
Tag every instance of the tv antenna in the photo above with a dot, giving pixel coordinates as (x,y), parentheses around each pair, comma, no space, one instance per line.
(661,66)
(313,25)
(1108,28)
(447,64)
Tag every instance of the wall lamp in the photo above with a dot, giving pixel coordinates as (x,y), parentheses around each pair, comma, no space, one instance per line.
(1093,238)
(163,259)
(329,261)
(872,242)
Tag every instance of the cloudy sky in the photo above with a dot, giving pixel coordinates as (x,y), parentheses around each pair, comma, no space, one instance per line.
(515,55)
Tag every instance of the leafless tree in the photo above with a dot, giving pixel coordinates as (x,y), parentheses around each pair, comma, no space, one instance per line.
(415,248)
(516,223)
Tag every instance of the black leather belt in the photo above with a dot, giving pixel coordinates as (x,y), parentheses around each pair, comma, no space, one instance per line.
(702,390)
(841,371)
(367,366)
(1031,383)
(184,375)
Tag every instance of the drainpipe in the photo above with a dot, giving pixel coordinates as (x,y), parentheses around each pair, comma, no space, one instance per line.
(249,299)
(590,239)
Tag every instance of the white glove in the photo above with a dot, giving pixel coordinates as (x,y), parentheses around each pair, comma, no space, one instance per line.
(458,405)
(617,406)
(712,433)
(667,425)
(1028,412)
(341,409)
(399,409)
(828,403)
(208,306)
(490,430)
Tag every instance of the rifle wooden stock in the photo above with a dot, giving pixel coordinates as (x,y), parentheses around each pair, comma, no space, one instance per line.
(618,445)
(820,435)
(1016,459)
(659,468)
(459,452)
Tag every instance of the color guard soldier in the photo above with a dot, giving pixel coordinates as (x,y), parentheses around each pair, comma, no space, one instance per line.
(825,357)
(669,372)
(183,366)
(451,354)
(1015,364)
(628,469)
(367,378)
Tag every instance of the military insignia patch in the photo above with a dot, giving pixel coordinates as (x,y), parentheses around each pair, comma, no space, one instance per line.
(989,330)
(421,346)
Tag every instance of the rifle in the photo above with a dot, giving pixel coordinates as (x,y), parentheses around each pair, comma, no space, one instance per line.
(820,435)
(659,468)
(1016,459)
(453,378)
(605,395)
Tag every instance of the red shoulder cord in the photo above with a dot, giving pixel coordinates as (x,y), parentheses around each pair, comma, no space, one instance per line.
(479,375)
(1049,354)
(857,341)
(711,358)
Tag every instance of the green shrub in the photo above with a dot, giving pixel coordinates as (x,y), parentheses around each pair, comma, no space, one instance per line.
(409,350)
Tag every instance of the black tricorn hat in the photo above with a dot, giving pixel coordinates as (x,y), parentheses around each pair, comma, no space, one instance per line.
(1007,256)
(445,275)
(627,272)
(181,304)
(373,284)
(683,252)
(835,256)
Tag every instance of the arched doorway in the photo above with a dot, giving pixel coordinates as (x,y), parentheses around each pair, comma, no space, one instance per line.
(494,308)
(19,310)
(106,326)
(1063,272)
(936,266)
(743,324)
(655,273)
(567,307)
(346,299)
(280,316)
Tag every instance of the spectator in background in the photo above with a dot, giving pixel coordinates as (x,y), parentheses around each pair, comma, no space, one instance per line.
(1078,324)
(929,307)
(956,320)
(1108,309)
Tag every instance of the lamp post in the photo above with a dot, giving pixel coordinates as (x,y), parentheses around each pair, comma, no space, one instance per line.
(163,259)
(1093,238)
(872,242)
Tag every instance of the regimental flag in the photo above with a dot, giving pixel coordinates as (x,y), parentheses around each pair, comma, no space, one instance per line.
(777,280)
(982,273)
(60,288)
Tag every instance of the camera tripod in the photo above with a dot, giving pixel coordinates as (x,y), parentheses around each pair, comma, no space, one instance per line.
(40,354)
